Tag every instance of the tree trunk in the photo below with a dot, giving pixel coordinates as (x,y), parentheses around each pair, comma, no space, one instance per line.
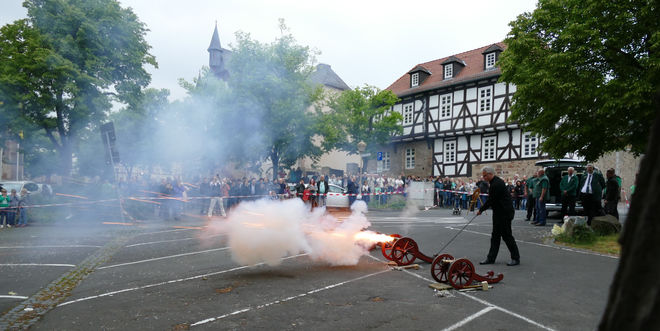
(634,301)
(275,158)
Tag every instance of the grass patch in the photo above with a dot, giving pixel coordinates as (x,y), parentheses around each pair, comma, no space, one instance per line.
(601,244)
(395,202)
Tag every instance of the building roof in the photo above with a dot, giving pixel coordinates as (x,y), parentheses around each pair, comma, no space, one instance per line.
(419,68)
(215,40)
(474,69)
(326,76)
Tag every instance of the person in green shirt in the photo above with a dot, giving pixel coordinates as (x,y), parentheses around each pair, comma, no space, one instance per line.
(531,202)
(541,193)
(4,208)
(568,187)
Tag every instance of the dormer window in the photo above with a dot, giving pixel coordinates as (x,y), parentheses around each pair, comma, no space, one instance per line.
(490,60)
(490,56)
(449,71)
(414,79)
(418,75)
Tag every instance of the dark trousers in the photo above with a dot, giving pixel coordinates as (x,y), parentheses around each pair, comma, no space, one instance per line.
(531,206)
(611,208)
(568,205)
(591,206)
(502,230)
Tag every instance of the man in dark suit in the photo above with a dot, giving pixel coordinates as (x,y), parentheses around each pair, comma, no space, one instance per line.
(499,199)
(591,190)
(611,195)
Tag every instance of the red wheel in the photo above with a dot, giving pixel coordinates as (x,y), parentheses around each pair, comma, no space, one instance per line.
(439,269)
(386,247)
(404,251)
(461,273)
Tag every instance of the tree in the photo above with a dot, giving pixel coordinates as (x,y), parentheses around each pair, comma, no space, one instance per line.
(588,78)
(268,116)
(586,74)
(62,66)
(361,114)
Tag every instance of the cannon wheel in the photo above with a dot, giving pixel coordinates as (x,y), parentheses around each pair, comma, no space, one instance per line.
(404,251)
(439,269)
(386,247)
(461,273)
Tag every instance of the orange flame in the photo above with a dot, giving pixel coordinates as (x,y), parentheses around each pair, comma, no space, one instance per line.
(372,237)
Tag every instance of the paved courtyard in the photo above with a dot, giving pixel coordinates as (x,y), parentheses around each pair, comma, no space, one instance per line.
(179,275)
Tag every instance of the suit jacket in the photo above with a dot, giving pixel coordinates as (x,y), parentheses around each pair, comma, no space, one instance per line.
(612,192)
(499,199)
(569,184)
(597,184)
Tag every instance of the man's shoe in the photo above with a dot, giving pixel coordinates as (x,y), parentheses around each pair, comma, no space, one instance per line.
(533,223)
(513,262)
(540,224)
(527,220)
(487,261)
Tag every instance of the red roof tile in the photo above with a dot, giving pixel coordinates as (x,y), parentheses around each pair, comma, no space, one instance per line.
(474,68)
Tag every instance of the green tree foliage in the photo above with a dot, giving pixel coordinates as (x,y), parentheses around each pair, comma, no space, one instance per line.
(587,74)
(361,114)
(62,66)
(268,116)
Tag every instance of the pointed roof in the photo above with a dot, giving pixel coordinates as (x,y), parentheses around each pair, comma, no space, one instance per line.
(215,40)
(419,68)
(326,76)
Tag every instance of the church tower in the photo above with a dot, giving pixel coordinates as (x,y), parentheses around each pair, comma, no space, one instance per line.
(218,56)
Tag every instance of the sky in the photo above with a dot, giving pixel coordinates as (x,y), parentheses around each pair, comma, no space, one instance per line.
(364,41)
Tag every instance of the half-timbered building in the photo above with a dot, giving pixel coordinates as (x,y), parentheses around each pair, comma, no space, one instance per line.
(455,119)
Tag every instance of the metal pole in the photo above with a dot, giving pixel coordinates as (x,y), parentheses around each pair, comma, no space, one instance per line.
(1,165)
(18,147)
(360,183)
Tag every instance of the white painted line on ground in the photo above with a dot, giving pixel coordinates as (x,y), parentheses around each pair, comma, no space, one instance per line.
(164,231)
(167,282)
(172,240)
(543,245)
(468,319)
(528,320)
(13,297)
(244,310)
(484,302)
(52,246)
(36,265)
(163,257)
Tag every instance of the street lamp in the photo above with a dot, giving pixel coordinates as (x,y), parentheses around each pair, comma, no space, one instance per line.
(361,146)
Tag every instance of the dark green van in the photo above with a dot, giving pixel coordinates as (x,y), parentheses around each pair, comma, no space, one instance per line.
(555,170)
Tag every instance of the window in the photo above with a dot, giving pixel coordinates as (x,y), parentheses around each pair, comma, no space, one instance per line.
(445,106)
(485,99)
(384,164)
(449,71)
(488,149)
(529,144)
(450,152)
(410,158)
(414,79)
(407,114)
(490,60)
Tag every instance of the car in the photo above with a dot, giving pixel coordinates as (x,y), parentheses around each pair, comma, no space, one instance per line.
(338,199)
(555,170)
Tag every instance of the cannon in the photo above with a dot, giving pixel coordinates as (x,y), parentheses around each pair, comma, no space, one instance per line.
(459,273)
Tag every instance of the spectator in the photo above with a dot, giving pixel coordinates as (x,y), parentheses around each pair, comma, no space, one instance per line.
(351,189)
(531,202)
(568,188)
(591,191)
(23,201)
(323,188)
(541,193)
(215,189)
(4,208)
(312,187)
(13,204)
(519,193)
(611,194)
(366,191)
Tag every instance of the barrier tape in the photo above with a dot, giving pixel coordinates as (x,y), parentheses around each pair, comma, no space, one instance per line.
(165,197)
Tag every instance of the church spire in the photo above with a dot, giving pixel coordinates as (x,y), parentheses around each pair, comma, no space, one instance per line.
(215,40)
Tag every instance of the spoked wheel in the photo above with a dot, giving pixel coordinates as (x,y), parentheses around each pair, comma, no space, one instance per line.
(461,273)
(440,269)
(404,251)
(386,247)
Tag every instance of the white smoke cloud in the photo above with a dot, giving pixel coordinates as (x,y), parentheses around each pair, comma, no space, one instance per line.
(265,231)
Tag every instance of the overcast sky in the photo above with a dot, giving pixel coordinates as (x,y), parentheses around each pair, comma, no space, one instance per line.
(372,42)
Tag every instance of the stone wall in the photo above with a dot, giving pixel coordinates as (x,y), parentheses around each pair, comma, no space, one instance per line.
(507,169)
(625,165)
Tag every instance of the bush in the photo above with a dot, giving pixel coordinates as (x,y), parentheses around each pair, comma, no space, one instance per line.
(580,234)
(396,202)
